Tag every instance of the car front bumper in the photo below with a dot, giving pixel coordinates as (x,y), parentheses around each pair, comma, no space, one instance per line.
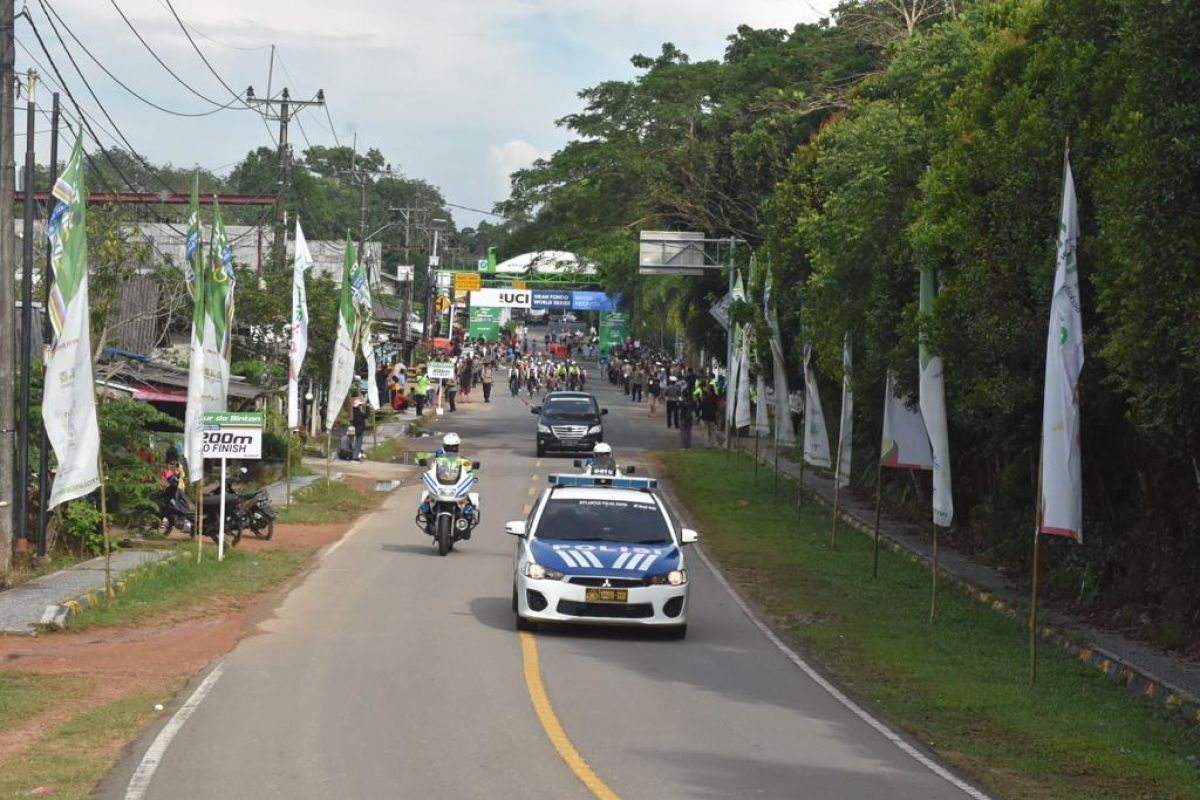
(549,442)
(561,601)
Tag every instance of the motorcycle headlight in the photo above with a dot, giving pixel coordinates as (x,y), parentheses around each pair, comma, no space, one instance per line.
(676,577)
(537,572)
(543,428)
(595,430)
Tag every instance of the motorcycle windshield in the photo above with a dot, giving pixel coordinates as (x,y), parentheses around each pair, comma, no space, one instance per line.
(448,473)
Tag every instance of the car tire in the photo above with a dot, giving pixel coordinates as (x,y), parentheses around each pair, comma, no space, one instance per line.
(514,599)
(525,624)
(541,451)
(676,633)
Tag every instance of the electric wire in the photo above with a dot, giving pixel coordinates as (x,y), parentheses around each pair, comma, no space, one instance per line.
(243,48)
(49,9)
(163,64)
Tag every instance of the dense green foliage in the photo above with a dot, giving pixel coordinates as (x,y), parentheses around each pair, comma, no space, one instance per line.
(849,154)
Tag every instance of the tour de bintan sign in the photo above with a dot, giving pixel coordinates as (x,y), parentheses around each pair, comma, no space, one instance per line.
(614,327)
(232,434)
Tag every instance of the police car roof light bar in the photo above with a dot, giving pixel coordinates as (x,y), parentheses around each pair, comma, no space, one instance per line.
(590,481)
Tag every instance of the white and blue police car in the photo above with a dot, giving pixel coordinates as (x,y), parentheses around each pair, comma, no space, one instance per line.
(600,550)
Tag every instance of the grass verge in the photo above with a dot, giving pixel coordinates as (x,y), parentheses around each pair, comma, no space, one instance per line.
(328,501)
(962,684)
(71,759)
(23,694)
(184,581)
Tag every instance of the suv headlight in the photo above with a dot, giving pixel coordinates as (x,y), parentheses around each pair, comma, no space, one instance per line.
(543,428)
(595,430)
(537,572)
(676,577)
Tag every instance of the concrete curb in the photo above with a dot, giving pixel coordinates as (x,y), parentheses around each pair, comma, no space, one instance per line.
(58,615)
(1134,678)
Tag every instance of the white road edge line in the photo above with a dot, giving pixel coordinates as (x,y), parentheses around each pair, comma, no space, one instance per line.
(836,694)
(139,784)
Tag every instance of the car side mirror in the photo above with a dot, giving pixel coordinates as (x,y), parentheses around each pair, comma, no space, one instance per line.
(515,528)
(630,470)
(423,462)
(535,410)
(603,411)
(688,536)
(474,465)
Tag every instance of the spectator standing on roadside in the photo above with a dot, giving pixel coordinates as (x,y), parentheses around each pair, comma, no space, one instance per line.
(423,390)
(709,412)
(686,417)
(451,389)
(673,395)
(358,421)
(654,389)
(636,381)
(487,377)
(381,384)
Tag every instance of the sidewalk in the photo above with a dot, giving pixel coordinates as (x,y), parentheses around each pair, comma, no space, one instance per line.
(30,604)
(1142,668)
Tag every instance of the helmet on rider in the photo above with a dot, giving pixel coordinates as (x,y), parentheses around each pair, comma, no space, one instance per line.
(450,443)
(602,449)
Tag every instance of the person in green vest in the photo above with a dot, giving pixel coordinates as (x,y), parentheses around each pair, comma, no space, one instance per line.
(423,387)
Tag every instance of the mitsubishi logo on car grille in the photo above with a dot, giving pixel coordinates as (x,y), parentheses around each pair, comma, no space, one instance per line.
(607,584)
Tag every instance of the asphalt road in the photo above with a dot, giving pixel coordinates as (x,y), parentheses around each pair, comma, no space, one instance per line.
(393,673)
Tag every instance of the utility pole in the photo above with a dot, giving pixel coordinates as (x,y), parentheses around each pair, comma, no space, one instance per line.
(47,335)
(8,277)
(282,108)
(21,498)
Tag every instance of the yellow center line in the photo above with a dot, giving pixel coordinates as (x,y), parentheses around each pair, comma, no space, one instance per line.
(539,463)
(553,728)
(533,490)
(526,509)
(534,477)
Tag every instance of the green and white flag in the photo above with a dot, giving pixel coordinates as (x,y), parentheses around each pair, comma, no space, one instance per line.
(732,389)
(846,428)
(203,385)
(301,261)
(816,436)
(69,399)
(361,288)
(932,398)
(785,434)
(218,310)
(1061,469)
(342,375)
(741,417)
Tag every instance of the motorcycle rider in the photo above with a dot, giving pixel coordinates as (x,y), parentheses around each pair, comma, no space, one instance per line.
(447,466)
(602,461)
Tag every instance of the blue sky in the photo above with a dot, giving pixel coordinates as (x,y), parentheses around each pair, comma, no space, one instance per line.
(458,92)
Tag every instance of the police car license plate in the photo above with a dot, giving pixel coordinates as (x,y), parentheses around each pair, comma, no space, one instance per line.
(607,595)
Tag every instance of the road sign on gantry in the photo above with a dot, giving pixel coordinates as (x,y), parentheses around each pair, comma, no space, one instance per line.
(671,253)
(467,282)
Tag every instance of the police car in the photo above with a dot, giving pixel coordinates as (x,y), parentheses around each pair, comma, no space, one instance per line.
(600,550)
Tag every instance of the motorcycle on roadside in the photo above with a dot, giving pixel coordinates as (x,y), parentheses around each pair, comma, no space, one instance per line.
(253,509)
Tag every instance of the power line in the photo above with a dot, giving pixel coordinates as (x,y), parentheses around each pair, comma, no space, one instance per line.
(243,48)
(164,65)
(183,27)
(332,129)
(44,76)
(49,9)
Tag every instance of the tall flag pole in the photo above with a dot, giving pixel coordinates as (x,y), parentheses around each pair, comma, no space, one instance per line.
(342,374)
(904,445)
(219,309)
(933,409)
(361,288)
(301,261)
(816,437)
(197,283)
(731,383)
(1060,473)
(841,477)
(68,403)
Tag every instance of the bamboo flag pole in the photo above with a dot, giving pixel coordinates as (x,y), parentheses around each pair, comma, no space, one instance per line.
(775,490)
(199,522)
(1033,592)
(108,591)
(878,508)
(287,470)
(837,492)
(934,571)
(328,453)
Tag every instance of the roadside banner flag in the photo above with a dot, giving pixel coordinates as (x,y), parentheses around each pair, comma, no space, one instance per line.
(218,310)
(343,348)
(69,396)
(762,417)
(203,386)
(905,439)
(933,410)
(360,287)
(816,437)
(785,433)
(299,327)
(1061,468)
(846,428)
(742,414)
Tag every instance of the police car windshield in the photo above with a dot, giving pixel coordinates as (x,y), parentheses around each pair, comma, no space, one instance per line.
(569,407)
(603,521)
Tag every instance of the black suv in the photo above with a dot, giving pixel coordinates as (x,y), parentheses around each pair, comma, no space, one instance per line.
(569,422)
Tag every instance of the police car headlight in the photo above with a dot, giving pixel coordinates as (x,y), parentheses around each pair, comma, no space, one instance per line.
(543,428)
(537,572)
(676,577)
(594,430)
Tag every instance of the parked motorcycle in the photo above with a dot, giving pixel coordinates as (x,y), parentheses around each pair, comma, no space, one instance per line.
(176,512)
(254,509)
(453,509)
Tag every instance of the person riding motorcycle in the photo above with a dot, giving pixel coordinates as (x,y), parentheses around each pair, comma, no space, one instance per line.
(447,466)
(602,461)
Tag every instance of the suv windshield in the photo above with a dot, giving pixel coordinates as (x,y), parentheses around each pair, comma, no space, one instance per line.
(569,407)
(603,521)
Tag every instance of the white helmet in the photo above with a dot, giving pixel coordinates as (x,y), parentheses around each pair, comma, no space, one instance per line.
(602,449)
(450,442)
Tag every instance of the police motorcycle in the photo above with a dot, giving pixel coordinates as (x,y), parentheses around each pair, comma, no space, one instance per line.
(602,463)
(449,510)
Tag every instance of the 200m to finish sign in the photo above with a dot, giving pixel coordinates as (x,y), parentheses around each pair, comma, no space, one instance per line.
(232,434)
